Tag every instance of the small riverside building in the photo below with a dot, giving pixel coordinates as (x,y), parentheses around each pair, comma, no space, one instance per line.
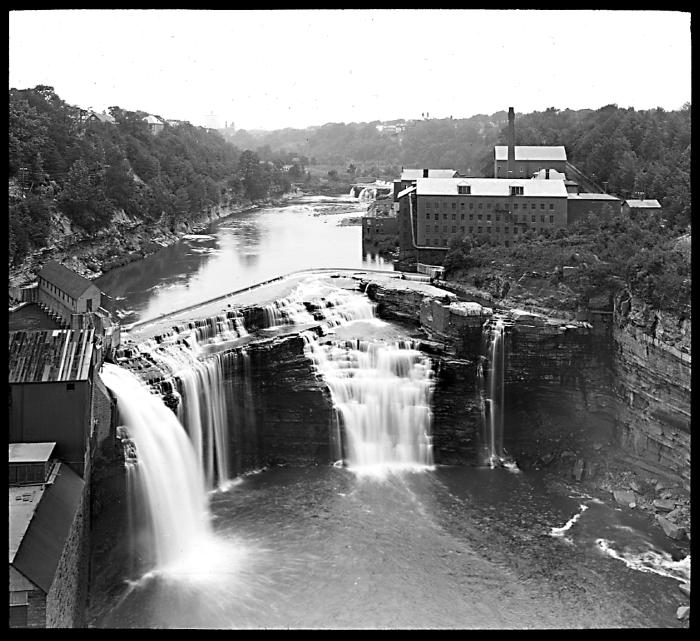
(47,539)
(642,205)
(65,293)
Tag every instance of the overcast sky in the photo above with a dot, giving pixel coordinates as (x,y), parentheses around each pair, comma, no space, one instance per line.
(296,68)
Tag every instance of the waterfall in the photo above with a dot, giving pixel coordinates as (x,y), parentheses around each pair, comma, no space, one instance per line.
(203,409)
(493,393)
(382,393)
(163,469)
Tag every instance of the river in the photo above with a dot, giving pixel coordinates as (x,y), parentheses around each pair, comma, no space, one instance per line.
(239,251)
(323,547)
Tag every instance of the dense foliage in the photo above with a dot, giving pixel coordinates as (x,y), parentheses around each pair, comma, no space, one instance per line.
(622,150)
(607,253)
(90,169)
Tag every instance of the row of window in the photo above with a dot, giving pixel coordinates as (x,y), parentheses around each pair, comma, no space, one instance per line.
(533,218)
(478,230)
(497,206)
(58,293)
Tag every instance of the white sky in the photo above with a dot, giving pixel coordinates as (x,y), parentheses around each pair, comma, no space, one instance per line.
(295,68)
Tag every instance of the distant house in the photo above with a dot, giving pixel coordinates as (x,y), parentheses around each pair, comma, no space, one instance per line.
(93,116)
(632,207)
(46,539)
(66,293)
(155,125)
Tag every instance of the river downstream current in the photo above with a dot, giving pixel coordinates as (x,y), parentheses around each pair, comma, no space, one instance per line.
(322,547)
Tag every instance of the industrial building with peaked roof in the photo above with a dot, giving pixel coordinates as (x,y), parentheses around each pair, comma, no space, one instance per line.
(46,538)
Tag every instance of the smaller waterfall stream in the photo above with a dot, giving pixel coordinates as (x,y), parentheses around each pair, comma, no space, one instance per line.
(493,393)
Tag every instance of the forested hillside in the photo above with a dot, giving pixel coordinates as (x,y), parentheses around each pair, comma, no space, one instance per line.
(90,170)
(629,151)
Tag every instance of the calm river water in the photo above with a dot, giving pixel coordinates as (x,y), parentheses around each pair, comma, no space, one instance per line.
(451,547)
(239,251)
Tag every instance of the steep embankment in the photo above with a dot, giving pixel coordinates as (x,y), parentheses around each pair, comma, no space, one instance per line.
(125,240)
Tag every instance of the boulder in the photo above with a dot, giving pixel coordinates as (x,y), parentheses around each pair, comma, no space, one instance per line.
(683,613)
(663,505)
(671,530)
(624,497)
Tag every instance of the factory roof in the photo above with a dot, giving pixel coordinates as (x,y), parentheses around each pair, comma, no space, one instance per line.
(531,152)
(50,355)
(414,174)
(30,452)
(490,187)
(40,518)
(592,196)
(65,279)
(643,204)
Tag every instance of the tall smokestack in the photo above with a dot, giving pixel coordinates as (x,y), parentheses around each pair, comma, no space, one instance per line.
(511,142)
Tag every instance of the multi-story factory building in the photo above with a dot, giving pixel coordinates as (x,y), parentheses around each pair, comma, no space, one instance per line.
(502,210)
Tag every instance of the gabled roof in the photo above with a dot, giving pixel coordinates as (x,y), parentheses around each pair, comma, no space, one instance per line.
(40,527)
(152,120)
(103,117)
(50,355)
(532,152)
(643,204)
(414,174)
(490,186)
(65,279)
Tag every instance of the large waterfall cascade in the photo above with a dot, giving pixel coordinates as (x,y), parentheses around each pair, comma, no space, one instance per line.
(163,470)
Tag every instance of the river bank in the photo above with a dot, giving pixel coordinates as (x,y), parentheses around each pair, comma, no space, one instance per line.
(126,240)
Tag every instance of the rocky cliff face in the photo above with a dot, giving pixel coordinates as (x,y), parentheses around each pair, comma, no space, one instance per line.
(653,368)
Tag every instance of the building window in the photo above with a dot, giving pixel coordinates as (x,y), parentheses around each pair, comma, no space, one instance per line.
(427,215)
(436,229)
(454,205)
(488,217)
(471,216)
(551,220)
(471,205)
(427,204)
(515,231)
(533,206)
(464,190)
(515,205)
(498,217)
(506,230)
(454,216)
(471,230)
(542,218)
(480,230)
(481,205)
(533,218)
(70,386)
(541,205)
(444,216)
(454,229)
(551,205)
(462,217)
(461,229)
(436,216)
(498,230)
(444,242)
(480,216)
(461,205)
